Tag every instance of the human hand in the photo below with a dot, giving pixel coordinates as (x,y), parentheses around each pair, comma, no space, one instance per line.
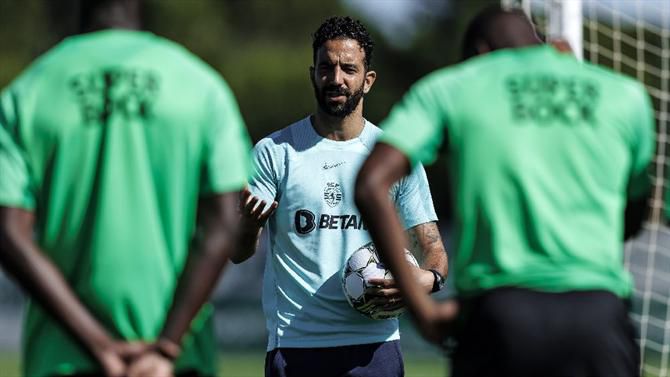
(151,364)
(112,363)
(384,295)
(252,215)
(387,294)
(114,356)
(440,323)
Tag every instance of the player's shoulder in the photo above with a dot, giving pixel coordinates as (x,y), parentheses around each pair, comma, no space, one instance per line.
(182,57)
(442,81)
(284,138)
(490,63)
(617,82)
(371,133)
(36,69)
(372,129)
(78,49)
(170,56)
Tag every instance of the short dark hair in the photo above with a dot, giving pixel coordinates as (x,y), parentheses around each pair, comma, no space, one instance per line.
(482,27)
(343,28)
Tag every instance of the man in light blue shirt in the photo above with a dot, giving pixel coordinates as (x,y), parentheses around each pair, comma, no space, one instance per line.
(307,172)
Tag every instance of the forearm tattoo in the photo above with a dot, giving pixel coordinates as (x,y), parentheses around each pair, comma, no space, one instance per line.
(425,242)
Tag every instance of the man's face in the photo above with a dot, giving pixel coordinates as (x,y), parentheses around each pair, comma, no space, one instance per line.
(339,76)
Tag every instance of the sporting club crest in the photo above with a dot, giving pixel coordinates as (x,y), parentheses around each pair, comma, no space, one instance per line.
(332,194)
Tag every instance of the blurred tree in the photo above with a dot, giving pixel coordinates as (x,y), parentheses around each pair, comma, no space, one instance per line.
(262,48)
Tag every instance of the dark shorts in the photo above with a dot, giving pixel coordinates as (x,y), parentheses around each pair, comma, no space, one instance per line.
(518,332)
(362,360)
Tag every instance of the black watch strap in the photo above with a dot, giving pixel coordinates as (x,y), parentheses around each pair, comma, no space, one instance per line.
(438,283)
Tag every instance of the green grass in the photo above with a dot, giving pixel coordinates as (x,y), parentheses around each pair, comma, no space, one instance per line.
(425,366)
(247,364)
(243,364)
(9,365)
(251,365)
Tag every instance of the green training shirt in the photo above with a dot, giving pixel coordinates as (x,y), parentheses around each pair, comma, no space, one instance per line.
(543,152)
(110,138)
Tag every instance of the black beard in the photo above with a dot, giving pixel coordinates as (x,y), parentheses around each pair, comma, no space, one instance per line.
(342,110)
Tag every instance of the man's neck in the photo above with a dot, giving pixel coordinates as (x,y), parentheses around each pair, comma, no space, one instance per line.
(339,129)
(114,16)
(111,24)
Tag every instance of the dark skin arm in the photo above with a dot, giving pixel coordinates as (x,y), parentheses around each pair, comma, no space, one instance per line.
(216,237)
(384,166)
(40,278)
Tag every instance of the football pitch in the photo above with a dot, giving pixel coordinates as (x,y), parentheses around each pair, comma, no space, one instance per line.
(250,364)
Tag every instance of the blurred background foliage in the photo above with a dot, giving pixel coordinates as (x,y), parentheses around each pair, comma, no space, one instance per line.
(263,47)
(263,50)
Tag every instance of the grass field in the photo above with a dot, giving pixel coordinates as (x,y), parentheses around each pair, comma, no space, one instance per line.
(251,365)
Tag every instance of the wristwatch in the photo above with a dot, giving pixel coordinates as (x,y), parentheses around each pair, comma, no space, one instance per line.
(438,283)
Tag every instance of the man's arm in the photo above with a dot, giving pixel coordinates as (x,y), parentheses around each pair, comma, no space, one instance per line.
(215,239)
(384,166)
(35,273)
(425,239)
(252,220)
(214,242)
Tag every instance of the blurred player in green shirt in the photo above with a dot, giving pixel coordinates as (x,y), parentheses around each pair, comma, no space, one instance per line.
(116,148)
(546,154)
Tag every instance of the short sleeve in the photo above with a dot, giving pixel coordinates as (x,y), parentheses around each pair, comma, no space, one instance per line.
(416,124)
(15,182)
(643,145)
(413,199)
(264,183)
(227,160)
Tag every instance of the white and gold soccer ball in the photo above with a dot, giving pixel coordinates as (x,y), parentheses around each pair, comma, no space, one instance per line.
(364,264)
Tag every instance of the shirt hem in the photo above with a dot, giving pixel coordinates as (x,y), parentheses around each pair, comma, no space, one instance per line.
(301,343)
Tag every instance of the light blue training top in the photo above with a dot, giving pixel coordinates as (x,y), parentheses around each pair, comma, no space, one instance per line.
(315,229)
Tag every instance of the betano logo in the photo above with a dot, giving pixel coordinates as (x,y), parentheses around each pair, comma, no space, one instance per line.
(305,222)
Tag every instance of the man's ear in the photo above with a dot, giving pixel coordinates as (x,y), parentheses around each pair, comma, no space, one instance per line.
(370,77)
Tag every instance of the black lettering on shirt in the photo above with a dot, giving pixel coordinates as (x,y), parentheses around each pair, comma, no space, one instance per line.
(332,224)
(126,92)
(323,221)
(546,99)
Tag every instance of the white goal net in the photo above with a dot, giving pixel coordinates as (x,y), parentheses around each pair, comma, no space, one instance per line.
(632,37)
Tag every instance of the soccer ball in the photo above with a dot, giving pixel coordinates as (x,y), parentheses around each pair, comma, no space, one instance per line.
(362,265)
